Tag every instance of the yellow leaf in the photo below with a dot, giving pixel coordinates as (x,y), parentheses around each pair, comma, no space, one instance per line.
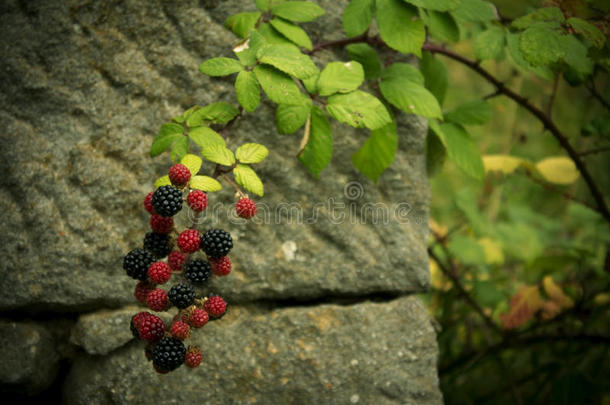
(556,294)
(501,163)
(493,251)
(523,306)
(558,170)
(193,162)
(435,227)
(437,278)
(601,299)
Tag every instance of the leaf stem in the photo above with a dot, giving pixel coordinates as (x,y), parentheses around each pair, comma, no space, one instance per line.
(235,186)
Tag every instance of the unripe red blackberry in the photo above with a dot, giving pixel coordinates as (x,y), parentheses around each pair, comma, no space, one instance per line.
(161,224)
(168,354)
(143,288)
(167,201)
(221,266)
(181,295)
(136,263)
(188,241)
(135,323)
(197,271)
(215,306)
(148,204)
(151,328)
(180,330)
(157,300)
(158,244)
(216,243)
(159,272)
(198,318)
(179,174)
(245,208)
(176,260)
(197,200)
(193,357)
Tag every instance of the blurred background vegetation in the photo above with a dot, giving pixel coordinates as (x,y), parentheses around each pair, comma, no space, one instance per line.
(520,266)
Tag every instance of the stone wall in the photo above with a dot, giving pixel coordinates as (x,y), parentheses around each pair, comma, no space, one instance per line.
(321,311)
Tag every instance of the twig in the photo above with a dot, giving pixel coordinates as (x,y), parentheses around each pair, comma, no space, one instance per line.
(563,193)
(340,42)
(235,186)
(594,151)
(598,96)
(549,107)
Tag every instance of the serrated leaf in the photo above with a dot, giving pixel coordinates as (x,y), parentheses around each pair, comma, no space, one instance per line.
(358,109)
(248,179)
(241,24)
(523,306)
(272,36)
(251,153)
(205,183)
(357,16)
(544,14)
(512,42)
(288,59)
(277,85)
(439,5)
(443,26)
(461,149)
(163,181)
(220,66)
(489,44)
(475,112)
(502,163)
(319,148)
(247,91)
(265,5)
(246,50)
(402,71)
(206,136)
(475,11)
(298,11)
(436,154)
(339,77)
(218,154)
(167,135)
(367,57)
(541,46)
(180,148)
(289,118)
(311,83)
(217,113)
(410,97)
(435,76)
(588,31)
(558,170)
(293,32)
(400,27)
(193,162)
(377,152)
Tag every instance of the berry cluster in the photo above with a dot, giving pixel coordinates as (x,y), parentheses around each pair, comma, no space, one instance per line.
(191,258)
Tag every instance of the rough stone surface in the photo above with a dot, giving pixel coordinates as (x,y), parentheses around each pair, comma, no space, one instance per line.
(29,359)
(327,354)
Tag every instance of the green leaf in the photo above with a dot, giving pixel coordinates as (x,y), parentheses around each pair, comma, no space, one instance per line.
(319,148)
(357,16)
(475,11)
(246,50)
(367,57)
(220,66)
(339,77)
(288,59)
(278,86)
(400,26)
(272,36)
(435,154)
(578,61)
(251,153)
(163,181)
(377,152)
(205,183)
(311,83)
(512,42)
(489,44)
(545,14)
(206,136)
(293,32)
(488,294)
(442,26)
(466,249)
(435,76)
(439,5)
(289,118)
(180,148)
(193,162)
(298,11)
(462,150)
(217,113)
(241,24)
(218,154)
(167,135)
(410,96)
(589,31)
(264,5)
(475,112)
(247,90)
(358,109)
(247,178)
(541,46)
(402,71)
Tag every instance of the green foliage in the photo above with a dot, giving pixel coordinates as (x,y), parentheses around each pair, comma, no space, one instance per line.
(318,151)
(298,11)
(357,16)
(367,57)
(248,179)
(218,154)
(402,86)
(292,32)
(377,152)
(251,153)
(358,109)
(247,91)
(489,44)
(288,59)
(241,24)
(289,118)
(220,66)
(337,77)
(278,86)
(461,148)
(476,112)
(205,183)
(400,26)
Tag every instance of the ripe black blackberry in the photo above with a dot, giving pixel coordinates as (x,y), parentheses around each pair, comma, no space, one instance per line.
(136,263)
(169,354)
(216,243)
(158,244)
(198,271)
(181,295)
(167,201)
